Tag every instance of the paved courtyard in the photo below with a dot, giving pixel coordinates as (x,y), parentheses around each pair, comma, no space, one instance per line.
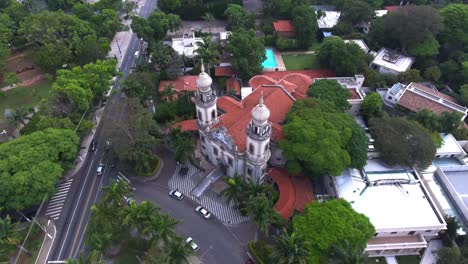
(215,203)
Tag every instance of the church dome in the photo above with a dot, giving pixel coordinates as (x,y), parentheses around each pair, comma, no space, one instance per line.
(260,113)
(204,80)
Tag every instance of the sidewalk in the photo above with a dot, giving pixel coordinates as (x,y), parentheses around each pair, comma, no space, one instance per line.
(84,145)
(46,246)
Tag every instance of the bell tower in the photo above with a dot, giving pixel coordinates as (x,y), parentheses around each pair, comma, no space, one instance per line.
(205,101)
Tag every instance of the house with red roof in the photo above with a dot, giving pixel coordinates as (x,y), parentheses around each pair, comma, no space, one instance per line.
(284,28)
(182,84)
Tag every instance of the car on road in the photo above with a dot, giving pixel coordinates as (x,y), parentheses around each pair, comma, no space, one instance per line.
(192,244)
(100,169)
(203,212)
(92,146)
(176,195)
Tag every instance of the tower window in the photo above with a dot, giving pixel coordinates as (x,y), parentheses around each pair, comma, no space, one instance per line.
(213,114)
(230,161)
(249,172)
(199,115)
(251,148)
(215,150)
(257,130)
(266,147)
(203,139)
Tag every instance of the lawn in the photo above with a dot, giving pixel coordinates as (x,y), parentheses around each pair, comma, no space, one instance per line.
(301,62)
(25,97)
(316,46)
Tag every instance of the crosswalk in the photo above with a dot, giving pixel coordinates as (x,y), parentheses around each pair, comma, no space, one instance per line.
(122,177)
(213,202)
(54,208)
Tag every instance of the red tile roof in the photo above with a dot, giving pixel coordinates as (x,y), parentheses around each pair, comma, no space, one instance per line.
(416,102)
(392,8)
(321,73)
(226,71)
(283,26)
(187,125)
(181,84)
(233,84)
(295,192)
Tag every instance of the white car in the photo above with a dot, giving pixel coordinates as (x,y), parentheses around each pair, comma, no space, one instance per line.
(203,212)
(176,195)
(100,169)
(192,244)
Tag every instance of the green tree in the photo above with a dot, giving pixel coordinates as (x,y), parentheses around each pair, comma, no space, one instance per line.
(56,36)
(140,84)
(39,122)
(12,79)
(289,249)
(449,255)
(17,117)
(464,93)
(446,122)
(170,6)
(403,142)
(454,38)
(115,194)
(345,58)
(208,51)
(248,53)
(260,210)
(92,258)
(129,7)
(332,223)
(372,106)
(138,216)
(32,164)
(178,251)
(9,237)
(332,91)
(183,145)
(239,18)
(233,191)
(432,73)
(356,11)
(411,75)
(345,255)
(305,25)
(452,227)
(155,27)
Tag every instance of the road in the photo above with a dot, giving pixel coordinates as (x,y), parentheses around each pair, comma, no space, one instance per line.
(86,186)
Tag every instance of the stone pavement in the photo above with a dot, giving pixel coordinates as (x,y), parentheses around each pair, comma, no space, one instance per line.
(216,204)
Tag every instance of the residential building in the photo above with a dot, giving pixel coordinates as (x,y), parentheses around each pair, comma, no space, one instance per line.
(181,84)
(360,43)
(186,45)
(397,203)
(328,19)
(417,96)
(392,62)
(284,29)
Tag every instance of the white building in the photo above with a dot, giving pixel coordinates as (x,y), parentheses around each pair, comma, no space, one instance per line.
(397,204)
(328,20)
(417,96)
(186,45)
(391,62)
(360,43)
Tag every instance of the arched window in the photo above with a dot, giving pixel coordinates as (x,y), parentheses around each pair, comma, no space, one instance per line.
(199,115)
(266,147)
(213,114)
(251,148)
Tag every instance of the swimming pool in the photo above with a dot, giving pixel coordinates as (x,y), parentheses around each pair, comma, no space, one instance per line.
(270,61)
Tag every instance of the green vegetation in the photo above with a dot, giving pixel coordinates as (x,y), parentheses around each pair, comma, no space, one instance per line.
(331,91)
(248,53)
(238,18)
(196,10)
(408,259)
(304,21)
(155,27)
(261,251)
(301,61)
(346,59)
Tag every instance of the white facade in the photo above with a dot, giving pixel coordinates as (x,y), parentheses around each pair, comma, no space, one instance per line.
(391,62)
(328,20)
(186,45)
(218,146)
(397,204)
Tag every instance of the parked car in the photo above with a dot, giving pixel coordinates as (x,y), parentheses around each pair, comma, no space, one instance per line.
(192,244)
(203,212)
(100,169)
(176,195)
(92,146)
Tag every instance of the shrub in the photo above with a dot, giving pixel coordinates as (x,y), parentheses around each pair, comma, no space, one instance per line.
(261,251)
(285,44)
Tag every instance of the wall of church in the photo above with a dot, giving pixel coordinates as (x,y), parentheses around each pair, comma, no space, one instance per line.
(277,157)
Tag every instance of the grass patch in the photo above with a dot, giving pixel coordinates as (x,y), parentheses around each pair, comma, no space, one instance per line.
(133,248)
(316,46)
(301,62)
(152,172)
(408,259)
(25,97)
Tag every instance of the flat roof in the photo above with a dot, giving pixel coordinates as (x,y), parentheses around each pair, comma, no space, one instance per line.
(329,19)
(389,205)
(186,46)
(401,64)
(360,43)
(450,146)
(454,179)
(380,13)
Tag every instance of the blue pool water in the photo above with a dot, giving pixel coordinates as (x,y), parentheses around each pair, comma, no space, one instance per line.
(270,61)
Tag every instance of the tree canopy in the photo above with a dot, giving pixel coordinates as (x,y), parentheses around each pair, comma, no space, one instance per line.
(447,122)
(345,58)
(248,53)
(454,38)
(332,91)
(30,166)
(372,106)
(305,25)
(320,139)
(155,27)
(332,223)
(238,17)
(403,142)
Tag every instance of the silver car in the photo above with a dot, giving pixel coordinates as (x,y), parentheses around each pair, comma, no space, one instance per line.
(100,169)
(203,212)
(192,244)
(176,195)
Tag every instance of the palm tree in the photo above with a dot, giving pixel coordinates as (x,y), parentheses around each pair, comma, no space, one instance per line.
(259,208)
(233,191)
(9,237)
(182,143)
(168,93)
(208,50)
(114,195)
(138,216)
(94,257)
(161,228)
(345,254)
(17,117)
(209,18)
(289,249)
(178,251)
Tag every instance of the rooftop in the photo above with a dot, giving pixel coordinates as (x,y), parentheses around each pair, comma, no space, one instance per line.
(283,26)
(360,43)
(417,97)
(450,146)
(226,71)
(181,84)
(186,45)
(393,60)
(392,198)
(380,13)
(329,19)
(392,8)
(454,179)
